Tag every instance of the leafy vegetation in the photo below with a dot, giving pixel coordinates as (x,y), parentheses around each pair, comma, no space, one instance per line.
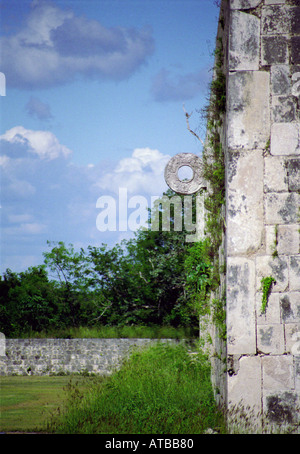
(266,284)
(140,282)
(211,297)
(162,389)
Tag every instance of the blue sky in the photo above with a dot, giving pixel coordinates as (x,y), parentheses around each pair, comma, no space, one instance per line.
(94,101)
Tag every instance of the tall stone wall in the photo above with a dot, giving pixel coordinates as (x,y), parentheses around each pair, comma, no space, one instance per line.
(262,154)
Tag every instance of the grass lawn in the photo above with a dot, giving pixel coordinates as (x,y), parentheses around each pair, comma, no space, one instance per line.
(26,403)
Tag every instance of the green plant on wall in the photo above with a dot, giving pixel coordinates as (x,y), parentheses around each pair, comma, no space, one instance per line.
(214,173)
(266,284)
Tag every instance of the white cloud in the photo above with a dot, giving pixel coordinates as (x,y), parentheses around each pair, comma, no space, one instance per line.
(43,143)
(54,46)
(142,172)
(54,199)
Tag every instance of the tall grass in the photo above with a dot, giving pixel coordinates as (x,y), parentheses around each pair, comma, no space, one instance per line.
(136,331)
(161,389)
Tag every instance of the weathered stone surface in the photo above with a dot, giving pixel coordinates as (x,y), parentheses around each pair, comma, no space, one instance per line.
(245,203)
(296,81)
(290,307)
(248,110)
(262,148)
(281,407)
(282,208)
(272,313)
(277,373)
(285,139)
(295,272)
(46,356)
(295,49)
(275,174)
(275,20)
(270,339)
(292,338)
(284,109)
(244,4)
(280,80)
(274,50)
(295,20)
(274,2)
(241,306)
(297,374)
(244,42)
(277,267)
(294,174)
(270,239)
(244,388)
(288,239)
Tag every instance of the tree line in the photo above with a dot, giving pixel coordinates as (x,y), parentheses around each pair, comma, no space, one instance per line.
(155,278)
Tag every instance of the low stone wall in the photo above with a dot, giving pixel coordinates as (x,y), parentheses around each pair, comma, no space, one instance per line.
(64,356)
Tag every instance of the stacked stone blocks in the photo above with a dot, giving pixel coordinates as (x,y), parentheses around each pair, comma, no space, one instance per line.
(67,356)
(263,205)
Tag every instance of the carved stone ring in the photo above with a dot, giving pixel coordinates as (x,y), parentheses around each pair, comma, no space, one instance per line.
(187,186)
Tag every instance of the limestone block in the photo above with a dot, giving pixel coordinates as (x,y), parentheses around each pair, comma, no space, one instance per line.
(284,109)
(270,239)
(278,373)
(240,306)
(285,139)
(274,50)
(290,307)
(294,174)
(277,267)
(292,338)
(295,50)
(272,314)
(244,4)
(288,239)
(276,20)
(295,272)
(248,109)
(245,203)
(295,20)
(295,72)
(297,374)
(274,2)
(282,208)
(275,174)
(280,80)
(244,388)
(281,407)
(244,42)
(270,339)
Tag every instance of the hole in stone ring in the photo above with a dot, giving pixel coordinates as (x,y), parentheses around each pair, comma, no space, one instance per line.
(178,164)
(185,173)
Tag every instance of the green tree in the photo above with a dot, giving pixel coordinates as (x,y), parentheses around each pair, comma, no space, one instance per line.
(27,301)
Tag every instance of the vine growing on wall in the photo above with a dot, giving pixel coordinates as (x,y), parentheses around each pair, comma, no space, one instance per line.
(214,174)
